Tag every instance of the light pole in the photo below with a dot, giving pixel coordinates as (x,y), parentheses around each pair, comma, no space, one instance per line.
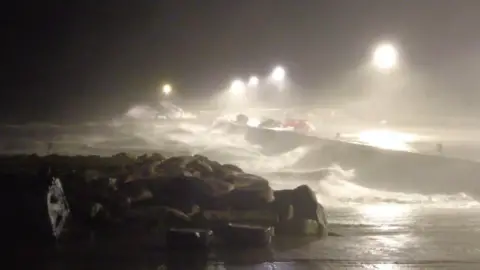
(278,79)
(385,78)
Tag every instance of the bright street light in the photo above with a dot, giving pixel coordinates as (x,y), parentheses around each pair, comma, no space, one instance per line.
(385,57)
(167,89)
(278,77)
(237,87)
(278,74)
(253,81)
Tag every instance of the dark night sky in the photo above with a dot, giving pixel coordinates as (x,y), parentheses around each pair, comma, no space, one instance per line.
(77,59)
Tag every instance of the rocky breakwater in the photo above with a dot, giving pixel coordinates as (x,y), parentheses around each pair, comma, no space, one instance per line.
(190,198)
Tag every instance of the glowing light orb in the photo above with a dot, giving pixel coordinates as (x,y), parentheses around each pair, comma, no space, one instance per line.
(278,74)
(253,81)
(167,89)
(237,87)
(385,57)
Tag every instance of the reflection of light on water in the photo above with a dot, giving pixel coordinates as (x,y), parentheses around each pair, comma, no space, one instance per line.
(391,222)
(293,265)
(385,212)
(388,266)
(387,139)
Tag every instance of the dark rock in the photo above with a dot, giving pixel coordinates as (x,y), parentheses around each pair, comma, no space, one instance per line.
(189,238)
(270,123)
(250,191)
(245,199)
(300,227)
(173,167)
(180,192)
(162,213)
(241,119)
(178,259)
(209,193)
(238,258)
(157,157)
(241,235)
(285,212)
(142,158)
(252,216)
(200,166)
(145,165)
(122,156)
(232,168)
(305,210)
(306,205)
(214,168)
(247,181)
(140,195)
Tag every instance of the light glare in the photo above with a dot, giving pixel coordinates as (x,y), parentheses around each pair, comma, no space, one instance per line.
(167,89)
(237,87)
(278,74)
(388,139)
(253,81)
(385,57)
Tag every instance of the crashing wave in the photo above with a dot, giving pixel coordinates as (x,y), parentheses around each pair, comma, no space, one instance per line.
(165,110)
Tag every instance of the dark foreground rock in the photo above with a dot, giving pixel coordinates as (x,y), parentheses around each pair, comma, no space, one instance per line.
(178,197)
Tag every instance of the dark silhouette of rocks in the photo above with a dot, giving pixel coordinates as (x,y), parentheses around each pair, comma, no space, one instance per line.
(59,196)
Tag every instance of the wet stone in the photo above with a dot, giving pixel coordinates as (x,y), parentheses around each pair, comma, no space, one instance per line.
(308,213)
(243,235)
(183,192)
(188,238)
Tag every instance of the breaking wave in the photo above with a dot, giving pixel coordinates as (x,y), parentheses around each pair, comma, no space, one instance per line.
(334,185)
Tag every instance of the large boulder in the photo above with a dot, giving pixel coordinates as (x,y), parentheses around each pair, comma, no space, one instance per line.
(170,167)
(308,214)
(201,167)
(185,191)
(230,168)
(204,167)
(250,192)
(183,166)
(202,181)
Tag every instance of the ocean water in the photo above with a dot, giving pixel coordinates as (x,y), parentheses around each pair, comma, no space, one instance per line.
(380,228)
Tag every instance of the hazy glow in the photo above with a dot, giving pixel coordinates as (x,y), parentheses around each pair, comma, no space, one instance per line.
(167,89)
(253,81)
(237,87)
(141,111)
(387,139)
(385,57)
(278,74)
(253,122)
(384,212)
